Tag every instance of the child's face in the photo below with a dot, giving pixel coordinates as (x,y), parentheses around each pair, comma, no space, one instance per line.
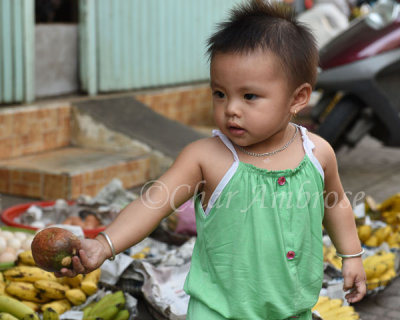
(251,96)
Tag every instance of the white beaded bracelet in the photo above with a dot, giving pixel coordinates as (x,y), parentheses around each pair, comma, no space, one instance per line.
(105,235)
(350,255)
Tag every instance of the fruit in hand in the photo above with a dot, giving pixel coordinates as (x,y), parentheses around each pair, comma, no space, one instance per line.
(53,248)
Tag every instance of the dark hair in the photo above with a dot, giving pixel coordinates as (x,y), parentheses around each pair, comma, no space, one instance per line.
(269,26)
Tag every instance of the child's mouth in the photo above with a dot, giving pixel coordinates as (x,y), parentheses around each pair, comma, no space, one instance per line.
(236,130)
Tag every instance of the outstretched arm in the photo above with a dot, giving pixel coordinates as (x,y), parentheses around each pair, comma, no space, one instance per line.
(142,216)
(340,224)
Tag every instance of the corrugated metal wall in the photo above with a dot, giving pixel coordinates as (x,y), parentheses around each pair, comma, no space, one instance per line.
(129,44)
(16,51)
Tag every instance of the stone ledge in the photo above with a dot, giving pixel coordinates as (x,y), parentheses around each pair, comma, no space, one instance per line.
(66,173)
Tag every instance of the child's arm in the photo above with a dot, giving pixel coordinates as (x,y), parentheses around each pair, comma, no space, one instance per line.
(340,224)
(142,216)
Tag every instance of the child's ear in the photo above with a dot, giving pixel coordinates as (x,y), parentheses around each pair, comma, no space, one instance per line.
(301,97)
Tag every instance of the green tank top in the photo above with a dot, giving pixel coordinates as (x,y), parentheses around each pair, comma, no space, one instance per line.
(258,253)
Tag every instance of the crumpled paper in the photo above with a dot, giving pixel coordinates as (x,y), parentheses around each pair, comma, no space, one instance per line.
(164,277)
(112,270)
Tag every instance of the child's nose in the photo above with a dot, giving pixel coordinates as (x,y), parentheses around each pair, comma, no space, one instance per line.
(232,108)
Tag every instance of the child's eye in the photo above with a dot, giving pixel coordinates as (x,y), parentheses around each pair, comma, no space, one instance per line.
(250,96)
(219,94)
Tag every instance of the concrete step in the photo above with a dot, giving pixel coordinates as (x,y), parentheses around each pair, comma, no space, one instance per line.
(69,172)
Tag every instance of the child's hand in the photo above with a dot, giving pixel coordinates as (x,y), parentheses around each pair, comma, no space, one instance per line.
(91,256)
(354,279)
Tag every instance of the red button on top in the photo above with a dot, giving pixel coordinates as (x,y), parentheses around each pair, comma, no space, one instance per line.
(290,255)
(281,181)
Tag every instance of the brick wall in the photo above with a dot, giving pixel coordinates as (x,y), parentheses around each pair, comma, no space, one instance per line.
(188,105)
(27,130)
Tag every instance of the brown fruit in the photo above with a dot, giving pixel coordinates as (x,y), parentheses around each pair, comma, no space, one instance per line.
(53,248)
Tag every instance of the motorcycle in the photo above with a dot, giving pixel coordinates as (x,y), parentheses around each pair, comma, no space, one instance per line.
(359,78)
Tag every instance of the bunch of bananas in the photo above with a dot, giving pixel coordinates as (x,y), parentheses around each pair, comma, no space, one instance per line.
(374,238)
(41,290)
(380,269)
(333,309)
(110,307)
(389,209)
(331,257)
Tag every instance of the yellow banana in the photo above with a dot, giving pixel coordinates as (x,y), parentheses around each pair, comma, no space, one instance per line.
(342,311)
(76,296)
(372,241)
(17,308)
(89,282)
(373,283)
(25,291)
(51,289)
(59,306)
(383,233)
(380,268)
(26,258)
(321,299)
(33,305)
(364,232)
(328,305)
(389,203)
(1,277)
(28,274)
(74,282)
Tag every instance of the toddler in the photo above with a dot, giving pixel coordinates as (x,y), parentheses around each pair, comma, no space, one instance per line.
(262,186)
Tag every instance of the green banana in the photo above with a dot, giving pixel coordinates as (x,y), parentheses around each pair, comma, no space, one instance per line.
(109,313)
(17,308)
(86,311)
(122,315)
(50,314)
(7,316)
(107,301)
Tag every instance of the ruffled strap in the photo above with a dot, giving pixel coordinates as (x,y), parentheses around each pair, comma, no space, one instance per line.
(309,146)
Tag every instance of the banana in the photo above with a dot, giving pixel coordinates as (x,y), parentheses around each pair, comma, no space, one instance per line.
(373,283)
(86,311)
(344,310)
(107,314)
(383,233)
(28,274)
(364,232)
(26,258)
(107,301)
(89,282)
(1,277)
(51,289)
(7,316)
(321,299)
(74,282)
(33,305)
(389,203)
(328,305)
(50,314)
(59,306)
(25,291)
(75,296)
(372,241)
(17,308)
(122,315)
(2,288)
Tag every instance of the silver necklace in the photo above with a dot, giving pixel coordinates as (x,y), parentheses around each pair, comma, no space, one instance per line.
(271,153)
